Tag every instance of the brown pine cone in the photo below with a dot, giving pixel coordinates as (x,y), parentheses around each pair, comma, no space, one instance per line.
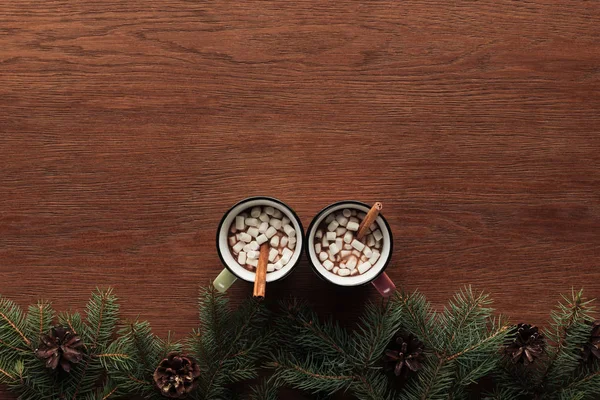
(61,347)
(404,353)
(591,349)
(176,376)
(525,344)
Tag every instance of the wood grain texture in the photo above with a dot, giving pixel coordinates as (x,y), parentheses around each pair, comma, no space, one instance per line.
(129,128)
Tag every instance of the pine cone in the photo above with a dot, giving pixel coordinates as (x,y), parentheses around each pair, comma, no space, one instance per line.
(176,376)
(592,348)
(61,347)
(525,344)
(404,353)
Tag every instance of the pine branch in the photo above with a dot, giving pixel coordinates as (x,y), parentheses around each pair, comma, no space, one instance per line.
(39,320)
(12,324)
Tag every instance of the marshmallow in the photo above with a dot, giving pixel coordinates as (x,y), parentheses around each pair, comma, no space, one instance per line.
(377,235)
(277,213)
(288,253)
(356,253)
(339,243)
(270,267)
(325,242)
(319,234)
(271,232)
(345,253)
(232,229)
(253,246)
(269,210)
(348,237)
(318,248)
(346,213)
(254,263)
(242,258)
(340,231)
(252,232)
(332,226)
(278,265)
(358,245)
(361,215)
(285,220)
(342,265)
(232,240)
(333,249)
(354,219)
(239,223)
(244,237)
(252,254)
(370,240)
(255,212)
(323,256)
(328,265)
(331,256)
(368,252)
(363,258)
(373,226)
(289,230)
(331,236)
(377,245)
(272,254)
(264,217)
(341,220)
(252,222)
(275,223)
(336,269)
(263,227)
(274,241)
(353,213)
(262,239)
(284,241)
(351,263)
(291,244)
(374,257)
(352,226)
(364,267)
(343,272)
(247,248)
(347,246)
(329,218)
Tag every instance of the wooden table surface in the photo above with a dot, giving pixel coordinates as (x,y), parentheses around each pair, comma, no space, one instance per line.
(128,128)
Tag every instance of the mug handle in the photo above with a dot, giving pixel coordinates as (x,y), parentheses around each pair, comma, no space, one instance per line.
(384,285)
(224,280)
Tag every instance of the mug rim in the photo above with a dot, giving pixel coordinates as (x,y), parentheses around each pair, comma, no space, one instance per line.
(311,226)
(247,200)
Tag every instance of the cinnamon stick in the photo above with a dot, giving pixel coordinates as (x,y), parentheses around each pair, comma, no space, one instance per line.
(260,279)
(369,219)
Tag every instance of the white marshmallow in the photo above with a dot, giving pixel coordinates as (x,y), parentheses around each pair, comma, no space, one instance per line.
(255,212)
(289,230)
(291,244)
(323,256)
(232,240)
(368,252)
(242,258)
(340,231)
(262,239)
(270,267)
(318,248)
(285,220)
(252,222)
(333,249)
(275,223)
(278,265)
(277,213)
(354,272)
(374,258)
(239,223)
(331,236)
(356,253)
(339,243)
(288,253)
(364,267)
(329,218)
(284,241)
(351,263)
(319,234)
(271,232)
(370,240)
(253,232)
(247,248)
(264,217)
(363,258)
(328,265)
(352,226)
(254,263)
(272,254)
(354,219)
(377,245)
(348,237)
(252,254)
(336,269)
(378,235)
(342,265)
(373,226)
(332,226)
(331,256)
(343,272)
(345,253)
(244,237)
(346,213)
(325,242)
(254,246)
(269,210)
(341,220)
(232,229)
(263,227)
(347,246)
(358,245)
(274,241)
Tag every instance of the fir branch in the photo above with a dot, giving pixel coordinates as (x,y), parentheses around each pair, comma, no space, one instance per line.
(11,323)
(39,320)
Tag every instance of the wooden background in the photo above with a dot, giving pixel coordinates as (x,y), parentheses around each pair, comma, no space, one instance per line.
(129,127)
